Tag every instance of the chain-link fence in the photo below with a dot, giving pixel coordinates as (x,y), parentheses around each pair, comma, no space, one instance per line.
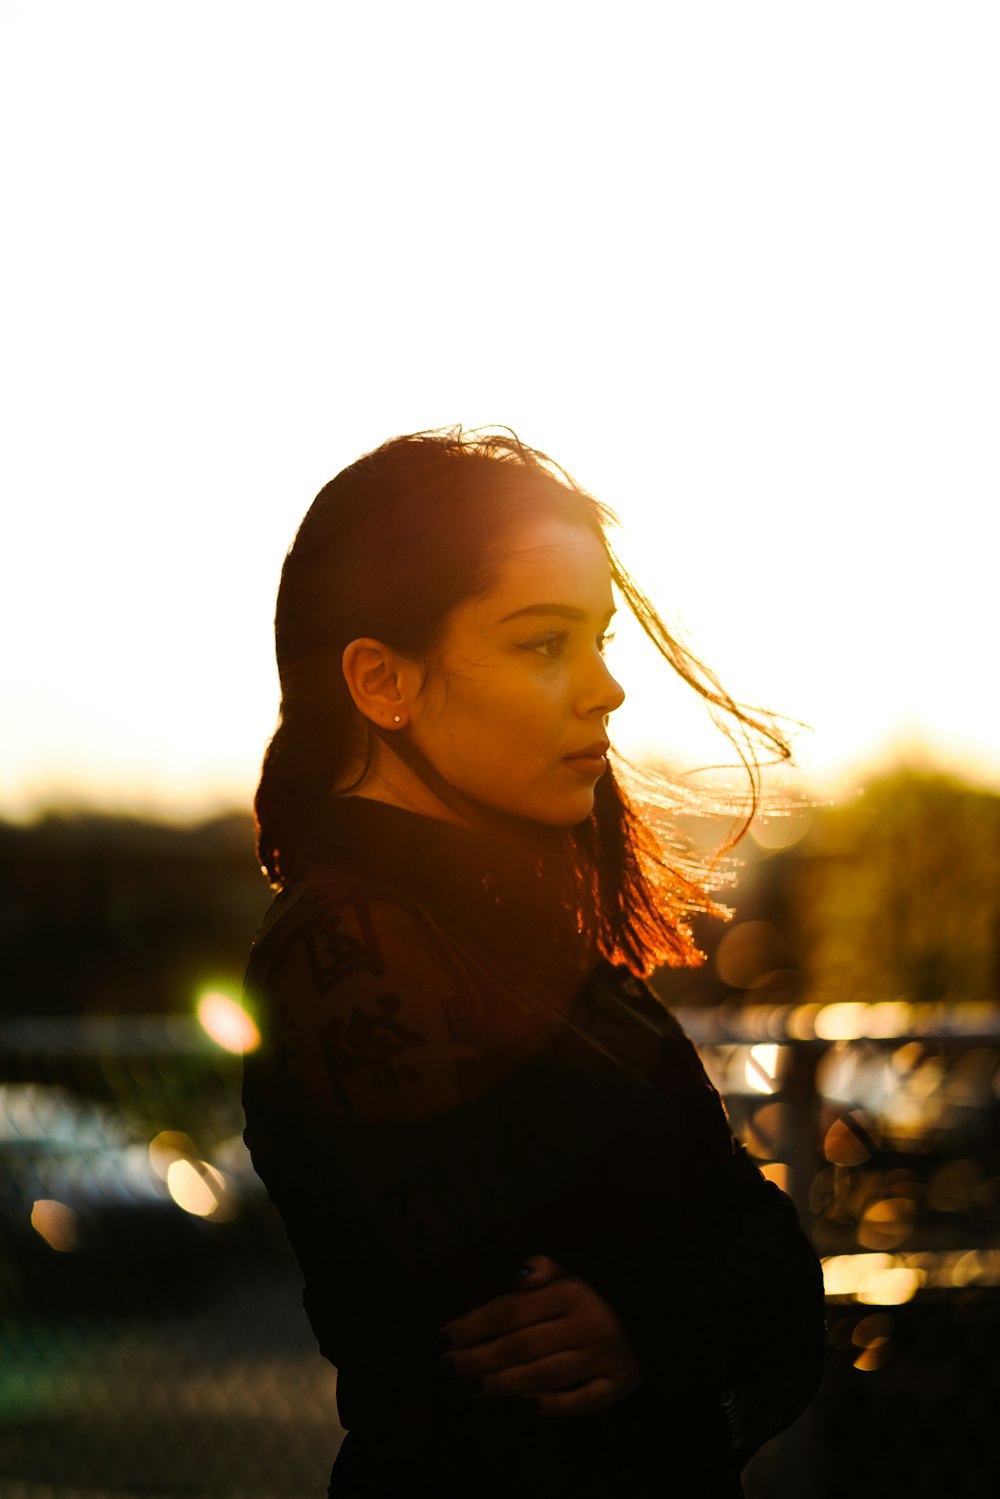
(152,1337)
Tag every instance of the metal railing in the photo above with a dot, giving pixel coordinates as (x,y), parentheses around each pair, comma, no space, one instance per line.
(152,1336)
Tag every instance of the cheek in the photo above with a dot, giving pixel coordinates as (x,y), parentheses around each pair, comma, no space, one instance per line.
(503,723)
(527,728)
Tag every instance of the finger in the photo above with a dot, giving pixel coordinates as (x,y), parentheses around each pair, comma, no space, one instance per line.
(596,1395)
(523,1346)
(504,1314)
(553,1317)
(557,1373)
(536,1272)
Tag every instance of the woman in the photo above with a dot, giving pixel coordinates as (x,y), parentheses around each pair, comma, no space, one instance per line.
(531,1247)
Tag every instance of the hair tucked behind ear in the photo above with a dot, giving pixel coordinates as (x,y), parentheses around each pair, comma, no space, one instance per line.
(387,549)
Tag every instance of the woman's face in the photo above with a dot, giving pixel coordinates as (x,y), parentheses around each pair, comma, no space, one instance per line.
(513,712)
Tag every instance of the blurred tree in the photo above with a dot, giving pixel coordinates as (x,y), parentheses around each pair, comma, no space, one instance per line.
(111,914)
(895,893)
(899,893)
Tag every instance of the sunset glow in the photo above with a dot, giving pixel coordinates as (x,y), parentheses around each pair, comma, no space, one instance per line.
(759,322)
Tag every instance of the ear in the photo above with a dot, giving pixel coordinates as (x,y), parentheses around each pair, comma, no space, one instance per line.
(379,681)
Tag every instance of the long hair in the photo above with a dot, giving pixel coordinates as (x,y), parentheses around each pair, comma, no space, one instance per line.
(387,549)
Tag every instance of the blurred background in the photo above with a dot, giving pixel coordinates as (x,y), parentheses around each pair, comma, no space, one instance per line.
(732,266)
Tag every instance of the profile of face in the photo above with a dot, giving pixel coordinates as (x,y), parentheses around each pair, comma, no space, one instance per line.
(512,709)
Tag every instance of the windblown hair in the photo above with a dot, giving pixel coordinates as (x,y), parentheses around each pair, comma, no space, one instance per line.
(387,549)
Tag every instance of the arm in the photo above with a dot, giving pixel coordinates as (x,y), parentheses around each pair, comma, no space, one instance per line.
(733,1296)
(370,1109)
(689,1272)
(740,1312)
(733,1308)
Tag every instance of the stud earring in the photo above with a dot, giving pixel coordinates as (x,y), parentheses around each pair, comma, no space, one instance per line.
(396,718)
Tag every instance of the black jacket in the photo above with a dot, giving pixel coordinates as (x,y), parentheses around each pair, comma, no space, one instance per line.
(444,1088)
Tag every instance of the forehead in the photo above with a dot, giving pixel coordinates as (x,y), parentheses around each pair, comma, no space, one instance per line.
(550,562)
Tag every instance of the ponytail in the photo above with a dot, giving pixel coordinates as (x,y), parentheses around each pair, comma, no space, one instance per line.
(301,766)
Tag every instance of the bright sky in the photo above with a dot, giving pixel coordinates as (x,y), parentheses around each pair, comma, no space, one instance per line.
(734,265)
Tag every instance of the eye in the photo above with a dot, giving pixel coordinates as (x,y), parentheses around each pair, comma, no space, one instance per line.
(551,647)
(603,641)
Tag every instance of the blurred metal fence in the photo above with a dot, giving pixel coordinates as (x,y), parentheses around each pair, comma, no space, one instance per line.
(152,1340)
(883,1123)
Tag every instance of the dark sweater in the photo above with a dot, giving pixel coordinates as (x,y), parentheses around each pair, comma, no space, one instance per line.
(448,1084)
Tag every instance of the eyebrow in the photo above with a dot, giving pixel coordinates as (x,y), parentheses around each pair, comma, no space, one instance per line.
(562,611)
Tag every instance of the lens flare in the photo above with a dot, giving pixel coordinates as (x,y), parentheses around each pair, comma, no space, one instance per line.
(227,1022)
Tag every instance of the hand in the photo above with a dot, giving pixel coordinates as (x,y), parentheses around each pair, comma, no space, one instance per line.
(553,1338)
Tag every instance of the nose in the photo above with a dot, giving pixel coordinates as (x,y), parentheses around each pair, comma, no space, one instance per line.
(603,693)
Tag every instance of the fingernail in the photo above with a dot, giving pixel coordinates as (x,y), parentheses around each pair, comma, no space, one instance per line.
(442,1342)
(521,1274)
(446,1366)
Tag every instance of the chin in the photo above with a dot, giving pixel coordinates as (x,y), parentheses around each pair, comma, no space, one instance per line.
(545,811)
(565,817)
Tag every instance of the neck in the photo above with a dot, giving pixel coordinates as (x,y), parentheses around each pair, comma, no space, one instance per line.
(400,775)
(411,798)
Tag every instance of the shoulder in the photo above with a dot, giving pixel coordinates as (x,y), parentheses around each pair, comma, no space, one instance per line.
(368,1003)
(622,993)
(654,1045)
(345,926)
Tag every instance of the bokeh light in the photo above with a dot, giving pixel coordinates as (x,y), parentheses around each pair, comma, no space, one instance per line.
(226,1021)
(56,1223)
(761,1068)
(198,1188)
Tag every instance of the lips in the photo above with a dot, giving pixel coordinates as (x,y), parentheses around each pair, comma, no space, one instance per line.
(590,760)
(595,751)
